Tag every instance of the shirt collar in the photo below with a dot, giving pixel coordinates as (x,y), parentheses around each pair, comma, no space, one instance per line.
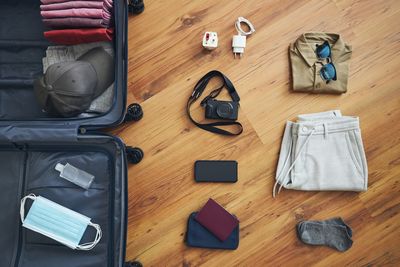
(304,45)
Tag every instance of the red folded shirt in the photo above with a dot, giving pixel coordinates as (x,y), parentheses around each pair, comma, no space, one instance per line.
(217,220)
(79,36)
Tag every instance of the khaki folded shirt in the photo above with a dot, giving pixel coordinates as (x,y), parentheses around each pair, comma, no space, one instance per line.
(306,65)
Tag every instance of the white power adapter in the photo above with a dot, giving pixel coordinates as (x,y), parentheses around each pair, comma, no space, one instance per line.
(210,40)
(238,44)
(239,40)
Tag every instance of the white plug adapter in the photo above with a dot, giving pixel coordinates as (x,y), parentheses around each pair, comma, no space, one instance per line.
(238,44)
(210,40)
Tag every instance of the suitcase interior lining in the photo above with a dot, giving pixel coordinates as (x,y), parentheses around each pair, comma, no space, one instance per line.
(22,47)
(32,171)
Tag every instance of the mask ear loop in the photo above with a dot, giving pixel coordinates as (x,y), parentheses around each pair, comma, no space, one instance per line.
(91,245)
(22,209)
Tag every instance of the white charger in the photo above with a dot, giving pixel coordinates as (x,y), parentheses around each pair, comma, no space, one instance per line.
(239,40)
(210,40)
(238,44)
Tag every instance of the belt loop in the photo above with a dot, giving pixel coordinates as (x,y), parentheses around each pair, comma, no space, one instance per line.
(326,130)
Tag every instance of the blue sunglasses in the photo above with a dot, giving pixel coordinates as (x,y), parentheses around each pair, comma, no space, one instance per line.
(328,71)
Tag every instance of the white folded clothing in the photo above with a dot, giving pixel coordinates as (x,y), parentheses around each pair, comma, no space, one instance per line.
(322,151)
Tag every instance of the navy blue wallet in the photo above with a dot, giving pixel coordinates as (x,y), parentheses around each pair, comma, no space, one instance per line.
(198,236)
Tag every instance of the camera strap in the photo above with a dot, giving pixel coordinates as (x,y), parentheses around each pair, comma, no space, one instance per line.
(199,89)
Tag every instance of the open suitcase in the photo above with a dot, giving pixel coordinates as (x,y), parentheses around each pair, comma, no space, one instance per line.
(31,144)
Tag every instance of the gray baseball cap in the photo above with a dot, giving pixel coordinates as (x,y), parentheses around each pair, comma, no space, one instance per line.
(68,88)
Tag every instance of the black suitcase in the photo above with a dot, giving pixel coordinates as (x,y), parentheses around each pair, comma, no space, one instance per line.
(31,144)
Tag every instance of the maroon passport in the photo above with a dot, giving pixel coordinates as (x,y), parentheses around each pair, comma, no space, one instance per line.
(217,220)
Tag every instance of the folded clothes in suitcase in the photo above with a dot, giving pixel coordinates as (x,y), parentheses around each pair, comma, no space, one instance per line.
(33,143)
(22,49)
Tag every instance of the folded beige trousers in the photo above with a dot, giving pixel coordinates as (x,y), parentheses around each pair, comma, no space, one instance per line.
(322,151)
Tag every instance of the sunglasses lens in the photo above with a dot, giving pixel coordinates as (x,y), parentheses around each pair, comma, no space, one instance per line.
(324,50)
(328,72)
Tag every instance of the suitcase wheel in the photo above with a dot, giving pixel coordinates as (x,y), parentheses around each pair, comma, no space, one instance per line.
(136,6)
(134,154)
(133,264)
(134,112)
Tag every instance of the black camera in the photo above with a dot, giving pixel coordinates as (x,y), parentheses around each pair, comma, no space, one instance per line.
(227,110)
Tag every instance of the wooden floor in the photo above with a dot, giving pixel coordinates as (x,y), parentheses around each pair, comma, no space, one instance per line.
(166,60)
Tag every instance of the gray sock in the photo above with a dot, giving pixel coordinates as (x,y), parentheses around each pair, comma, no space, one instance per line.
(325,233)
(339,221)
(336,221)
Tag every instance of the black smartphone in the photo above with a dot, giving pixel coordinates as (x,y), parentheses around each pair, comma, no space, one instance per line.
(225,171)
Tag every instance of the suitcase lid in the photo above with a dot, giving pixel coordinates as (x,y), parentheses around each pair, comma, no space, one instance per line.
(68,128)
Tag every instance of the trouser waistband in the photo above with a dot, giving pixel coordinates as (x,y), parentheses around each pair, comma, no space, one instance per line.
(339,124)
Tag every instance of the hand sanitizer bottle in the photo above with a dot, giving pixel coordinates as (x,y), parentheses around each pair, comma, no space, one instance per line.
(75,175)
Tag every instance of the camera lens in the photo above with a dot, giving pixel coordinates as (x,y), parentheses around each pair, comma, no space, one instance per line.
(225,110)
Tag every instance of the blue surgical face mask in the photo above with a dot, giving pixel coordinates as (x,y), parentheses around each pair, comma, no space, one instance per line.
(57,222)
